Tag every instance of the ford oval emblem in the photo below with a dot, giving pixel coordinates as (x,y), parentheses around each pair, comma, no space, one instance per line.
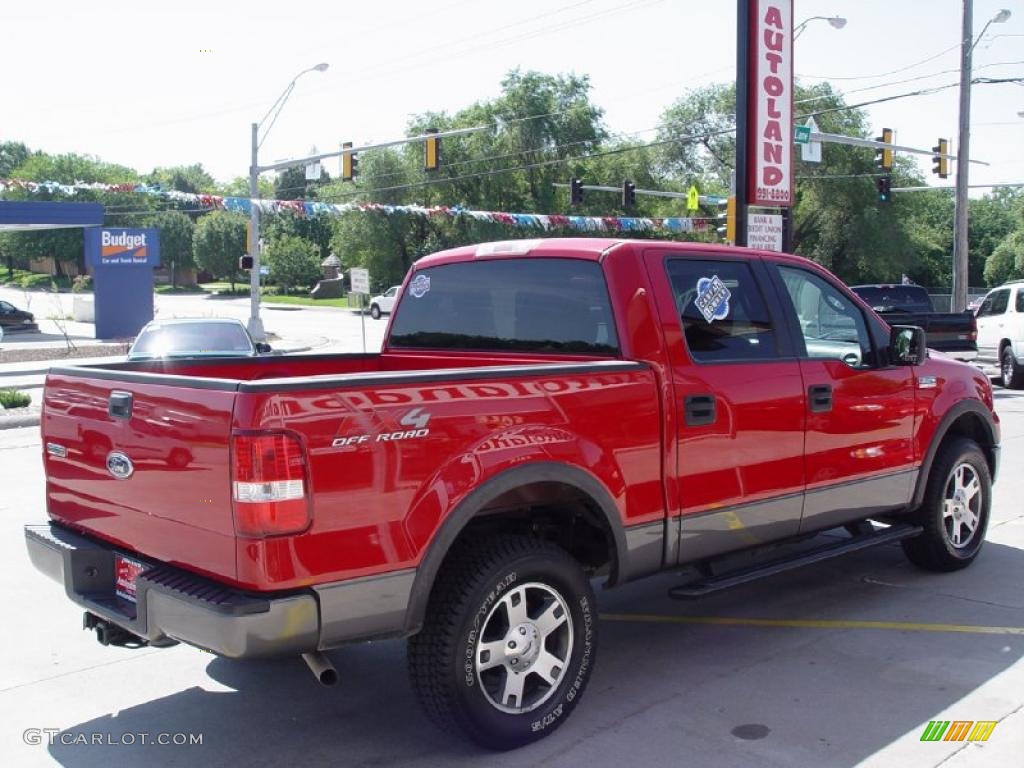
(119,465)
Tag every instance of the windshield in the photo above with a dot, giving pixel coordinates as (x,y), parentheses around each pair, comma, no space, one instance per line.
(191,340)
(886,298)
(534,305)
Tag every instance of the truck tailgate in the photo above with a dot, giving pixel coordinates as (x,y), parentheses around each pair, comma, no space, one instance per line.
(144,466)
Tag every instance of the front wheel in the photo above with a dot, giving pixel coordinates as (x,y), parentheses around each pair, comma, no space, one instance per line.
(508,644)
(375,312)
(1013,372)
(955,509)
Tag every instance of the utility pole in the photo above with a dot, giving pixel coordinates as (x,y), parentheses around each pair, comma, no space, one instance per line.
(742,80)
(960,244)
(255,324)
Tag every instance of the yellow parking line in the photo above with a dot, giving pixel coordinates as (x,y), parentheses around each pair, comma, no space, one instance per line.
(904,626)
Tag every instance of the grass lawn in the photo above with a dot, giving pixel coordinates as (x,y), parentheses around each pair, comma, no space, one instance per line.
(30,281)
(306,301)
(176,289)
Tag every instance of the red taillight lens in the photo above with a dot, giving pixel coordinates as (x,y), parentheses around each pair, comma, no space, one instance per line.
(269,485)
(973,335)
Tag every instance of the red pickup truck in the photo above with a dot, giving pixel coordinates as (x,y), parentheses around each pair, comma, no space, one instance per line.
(543,413)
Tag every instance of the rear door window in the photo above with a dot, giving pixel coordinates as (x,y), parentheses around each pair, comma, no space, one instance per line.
(722,310)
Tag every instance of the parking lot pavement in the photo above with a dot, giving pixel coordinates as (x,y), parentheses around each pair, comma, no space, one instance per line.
(840,664)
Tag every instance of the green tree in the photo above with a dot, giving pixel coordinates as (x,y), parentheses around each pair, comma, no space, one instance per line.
(294,262)
(70,168)
(12,155)
(176,232)
(218,242)
(183,178)
(239,187)
(1007,260)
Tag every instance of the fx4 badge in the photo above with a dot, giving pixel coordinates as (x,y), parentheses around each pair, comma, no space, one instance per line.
(416,419)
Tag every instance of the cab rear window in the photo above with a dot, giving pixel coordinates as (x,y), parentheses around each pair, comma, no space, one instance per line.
(531,305)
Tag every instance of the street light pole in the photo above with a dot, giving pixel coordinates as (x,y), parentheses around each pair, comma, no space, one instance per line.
(963,151)
(836,22)
(255,324)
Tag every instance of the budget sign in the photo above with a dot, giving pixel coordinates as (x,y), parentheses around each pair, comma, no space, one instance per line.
(115,246)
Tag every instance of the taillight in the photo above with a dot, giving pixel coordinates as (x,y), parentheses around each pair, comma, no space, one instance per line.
(973,335)
(269,485)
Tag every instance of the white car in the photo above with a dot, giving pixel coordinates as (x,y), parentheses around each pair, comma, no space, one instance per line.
(383,304)
(1001,333)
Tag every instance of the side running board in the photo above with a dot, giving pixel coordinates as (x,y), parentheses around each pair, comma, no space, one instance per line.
(780,565)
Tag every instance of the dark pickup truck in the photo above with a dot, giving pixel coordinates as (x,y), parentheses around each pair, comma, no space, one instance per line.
(953,333)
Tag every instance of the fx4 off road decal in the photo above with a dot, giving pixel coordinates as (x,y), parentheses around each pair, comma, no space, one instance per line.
(414,421)
(712,298)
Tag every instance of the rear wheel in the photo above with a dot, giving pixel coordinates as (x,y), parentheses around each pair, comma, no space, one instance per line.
(1013,372)
(508,644)
(955,510)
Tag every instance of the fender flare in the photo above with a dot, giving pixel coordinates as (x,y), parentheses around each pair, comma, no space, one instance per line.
(478,498)
(963,407)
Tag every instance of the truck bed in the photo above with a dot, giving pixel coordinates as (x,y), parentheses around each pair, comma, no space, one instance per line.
(380,505)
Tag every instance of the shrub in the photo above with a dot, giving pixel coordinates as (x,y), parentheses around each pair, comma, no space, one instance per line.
(12,398)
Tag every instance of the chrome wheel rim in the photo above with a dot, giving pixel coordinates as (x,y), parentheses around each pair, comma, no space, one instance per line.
(524,648)
(961,506)
(1007,369)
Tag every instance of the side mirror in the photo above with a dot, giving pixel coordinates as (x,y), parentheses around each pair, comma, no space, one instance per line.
(907,345)
(262,348)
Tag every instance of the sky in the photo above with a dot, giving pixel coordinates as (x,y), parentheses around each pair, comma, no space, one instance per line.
(147,85)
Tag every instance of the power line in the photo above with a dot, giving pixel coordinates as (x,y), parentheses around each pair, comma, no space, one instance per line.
(683,139)
(884,74)
(907,80)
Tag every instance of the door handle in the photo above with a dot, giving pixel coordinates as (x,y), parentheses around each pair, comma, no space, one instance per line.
(699,410)
(819,398)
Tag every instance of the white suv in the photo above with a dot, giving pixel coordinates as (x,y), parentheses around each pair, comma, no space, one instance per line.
(384,303)
(1001,333)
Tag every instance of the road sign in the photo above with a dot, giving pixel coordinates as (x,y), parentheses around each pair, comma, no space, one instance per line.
(692,199)
(764,231)
(810,151)
(802,134)
(360,279)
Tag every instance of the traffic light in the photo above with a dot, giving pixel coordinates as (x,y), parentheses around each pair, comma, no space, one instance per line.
(885,189)
(883,157)
(431,151)
(730,219)
(349,162)
(576,192)
(628,194)
(940,161)
(245,262)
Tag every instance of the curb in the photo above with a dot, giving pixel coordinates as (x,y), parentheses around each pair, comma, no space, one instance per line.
(29,418)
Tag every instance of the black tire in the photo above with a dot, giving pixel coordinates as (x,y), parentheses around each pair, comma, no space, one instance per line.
(474,595)
(1012,371)
(375,312)
(948,543)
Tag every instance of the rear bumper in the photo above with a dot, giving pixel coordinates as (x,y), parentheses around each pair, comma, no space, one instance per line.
(172,604)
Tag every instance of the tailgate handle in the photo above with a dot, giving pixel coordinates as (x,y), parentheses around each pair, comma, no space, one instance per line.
(120,405)
(699,410)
